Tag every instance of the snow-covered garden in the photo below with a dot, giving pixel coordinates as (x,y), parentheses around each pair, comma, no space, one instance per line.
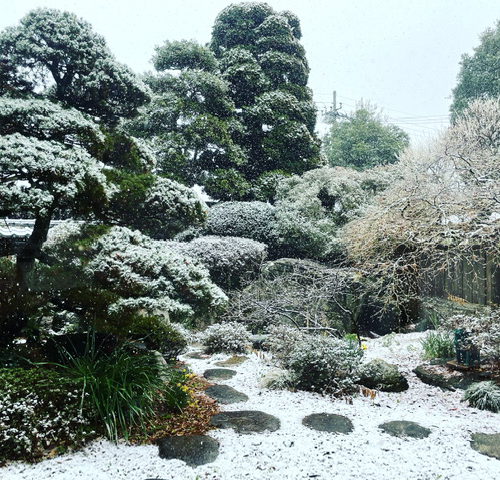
(194,285)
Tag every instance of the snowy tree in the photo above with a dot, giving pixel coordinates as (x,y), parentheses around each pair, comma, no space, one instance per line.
(60,52)
(444,204)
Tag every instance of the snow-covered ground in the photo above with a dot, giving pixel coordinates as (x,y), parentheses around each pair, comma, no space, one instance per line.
(295,451)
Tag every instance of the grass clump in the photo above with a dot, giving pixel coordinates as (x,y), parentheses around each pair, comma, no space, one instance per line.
(484,395)
(438,345)
(125,388)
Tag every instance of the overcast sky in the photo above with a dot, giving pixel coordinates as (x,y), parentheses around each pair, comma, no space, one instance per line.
(402,55)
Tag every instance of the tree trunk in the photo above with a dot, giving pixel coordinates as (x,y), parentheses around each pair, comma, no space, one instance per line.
(31,250)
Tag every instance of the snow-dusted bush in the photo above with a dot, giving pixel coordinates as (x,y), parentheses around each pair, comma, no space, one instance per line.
(228,259)
(255,220)
(484,395)
(312,207)
(230,337)
(325,364)
(282,341)
(40,411)
(143,276)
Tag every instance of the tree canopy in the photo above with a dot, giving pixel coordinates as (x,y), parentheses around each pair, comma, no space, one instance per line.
(363,140)
(479,73)
(236,115)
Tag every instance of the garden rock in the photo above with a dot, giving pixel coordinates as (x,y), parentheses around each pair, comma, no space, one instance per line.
(232,361)
(193,449)
(219,374)
(246,421)
(328,422)
(403,428)
(441,376)
(380,375)
(275,378)
(225,394)
(487,444)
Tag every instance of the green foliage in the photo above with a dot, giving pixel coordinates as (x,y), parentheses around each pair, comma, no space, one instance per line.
(325,364)
(184,55)
(484,395)
(158,335)
(228,337)
(438,345)
(124,387)
(41,410)
(60,46)
(364,140)
(478,76)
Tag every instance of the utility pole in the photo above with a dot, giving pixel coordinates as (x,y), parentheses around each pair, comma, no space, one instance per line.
(332,113)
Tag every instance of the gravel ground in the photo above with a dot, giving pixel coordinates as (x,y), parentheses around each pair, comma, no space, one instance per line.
(296,452)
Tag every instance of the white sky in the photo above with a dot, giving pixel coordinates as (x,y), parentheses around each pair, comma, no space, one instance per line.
(402,55)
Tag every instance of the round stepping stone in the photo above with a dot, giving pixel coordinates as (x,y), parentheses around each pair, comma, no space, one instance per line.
(225,394)
(232,361)
(403,428)
(193,449)
(219,374)
(487,444)
(197,355)
(246,421)
(328,422)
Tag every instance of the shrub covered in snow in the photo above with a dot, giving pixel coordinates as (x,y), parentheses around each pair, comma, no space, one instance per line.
(40,411)
(282,341)
(255,220)
(228,259)
(484,395)
(230,337)
(138,275)
(325,364)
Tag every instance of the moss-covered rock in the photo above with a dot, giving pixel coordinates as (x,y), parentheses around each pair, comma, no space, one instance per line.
(380,375)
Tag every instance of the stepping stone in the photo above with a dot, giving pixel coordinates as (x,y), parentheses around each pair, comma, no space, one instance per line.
(219,374)
(248,421)
(193,449)
(328,422)
(402,428)
(233,361)
(197,355)
(225,394)
(487,444)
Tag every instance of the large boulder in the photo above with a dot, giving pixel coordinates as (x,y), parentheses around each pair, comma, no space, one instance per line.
(443,377)
(380,375)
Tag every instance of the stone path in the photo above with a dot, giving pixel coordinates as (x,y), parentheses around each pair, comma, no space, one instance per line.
(201,449)
(219,374)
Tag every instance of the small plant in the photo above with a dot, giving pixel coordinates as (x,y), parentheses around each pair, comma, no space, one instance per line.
(438,345)
(230,337)
(282,341)
(325,365)
(484,395)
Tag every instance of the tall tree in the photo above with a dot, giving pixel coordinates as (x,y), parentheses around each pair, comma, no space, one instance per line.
(479,73)
(363,140)
(262,59)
